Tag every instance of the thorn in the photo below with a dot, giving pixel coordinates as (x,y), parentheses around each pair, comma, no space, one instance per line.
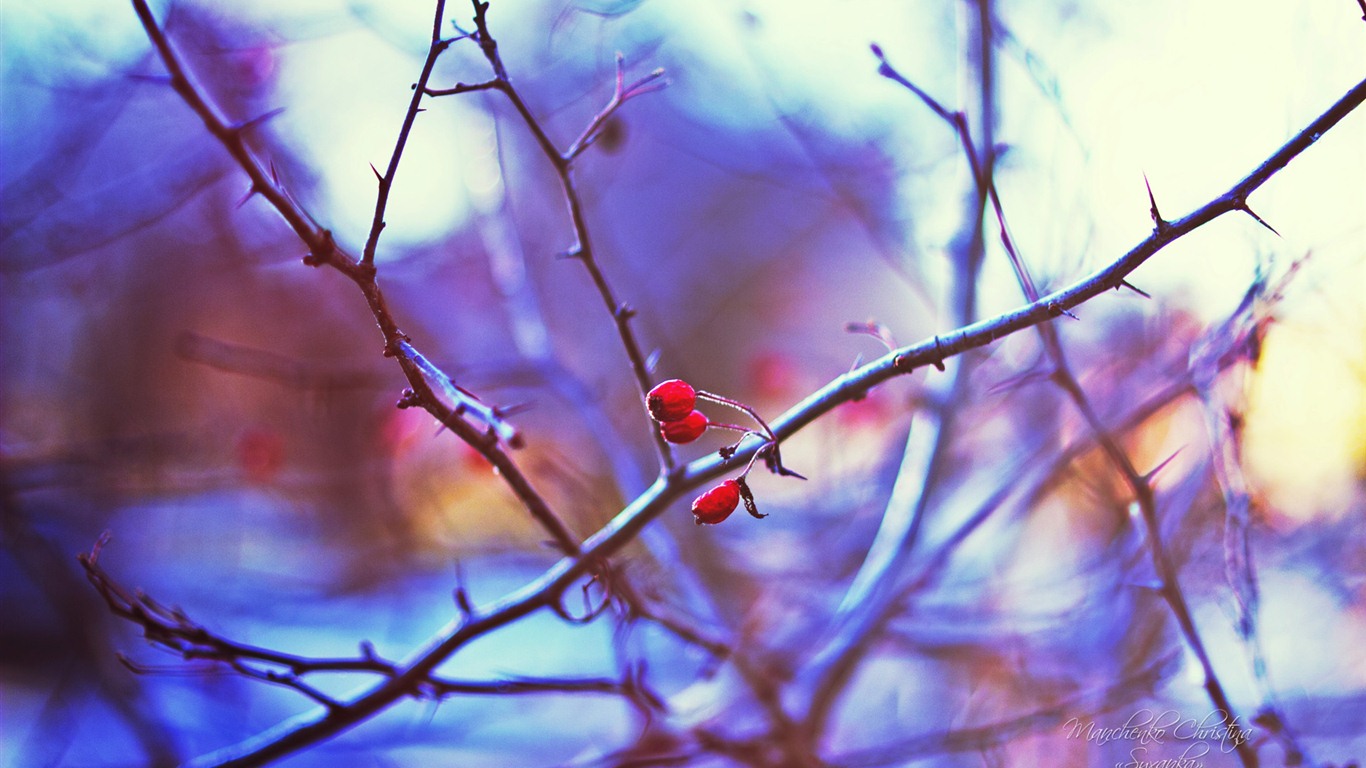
(624,312)
(1153,472)
(573,253)
(255,121)
(251,192)
(504,411)
(1158,221)
(1242,206)
(1130,286)
(939,363)
(378,177)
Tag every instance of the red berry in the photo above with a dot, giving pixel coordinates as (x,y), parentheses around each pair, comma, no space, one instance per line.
(686,429)
(671,400)
(716,505)
(261,454)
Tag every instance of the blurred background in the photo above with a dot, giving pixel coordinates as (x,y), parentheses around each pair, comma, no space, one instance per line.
(173,374)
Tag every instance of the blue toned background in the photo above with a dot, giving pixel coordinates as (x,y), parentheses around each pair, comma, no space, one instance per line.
(173,374)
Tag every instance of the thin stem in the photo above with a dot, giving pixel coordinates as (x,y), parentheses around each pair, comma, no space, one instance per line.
(386,182)
(582,249)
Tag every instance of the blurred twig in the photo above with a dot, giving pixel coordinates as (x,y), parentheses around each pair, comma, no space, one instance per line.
(1063,376)
(271,366)
(980,737)
(928,446)
(1239,339)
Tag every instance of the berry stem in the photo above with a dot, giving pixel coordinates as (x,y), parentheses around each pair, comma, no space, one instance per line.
(736,428)
(739,406)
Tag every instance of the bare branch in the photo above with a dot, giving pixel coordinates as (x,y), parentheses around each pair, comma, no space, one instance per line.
(621,94)
(386,182)
(582,249)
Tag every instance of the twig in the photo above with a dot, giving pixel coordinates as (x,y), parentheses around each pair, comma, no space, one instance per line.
(871,593)
(487,431)
(386,182)
(620,95)
(1235,199)
(173,630)
(1239,339)
(563,163)
(1138,483)
(323,250)
(976,738)
(270,366)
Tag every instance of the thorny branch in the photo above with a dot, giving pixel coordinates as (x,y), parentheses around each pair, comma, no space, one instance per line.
(173,630)
(483,427)
(545,591)
(1139,484)
(563,163)
(386,182)
(322,249)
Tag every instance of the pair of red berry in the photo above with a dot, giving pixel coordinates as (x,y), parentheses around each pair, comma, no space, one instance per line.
(673,404)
